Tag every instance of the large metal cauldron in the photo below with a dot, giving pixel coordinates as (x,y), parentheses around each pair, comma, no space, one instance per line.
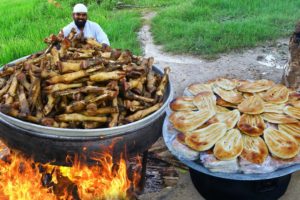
(55,144)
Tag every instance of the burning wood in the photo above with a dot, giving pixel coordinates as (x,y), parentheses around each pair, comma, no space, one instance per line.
(107,178)
(56,86)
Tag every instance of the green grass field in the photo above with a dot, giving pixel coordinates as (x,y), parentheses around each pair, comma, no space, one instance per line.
(27,23)
(203,27)
(214,26)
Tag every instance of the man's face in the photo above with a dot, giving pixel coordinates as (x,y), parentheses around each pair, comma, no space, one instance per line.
(80,19)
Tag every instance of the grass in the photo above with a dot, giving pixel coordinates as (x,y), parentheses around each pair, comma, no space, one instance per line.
(208,27)
(203,27)
(27,23)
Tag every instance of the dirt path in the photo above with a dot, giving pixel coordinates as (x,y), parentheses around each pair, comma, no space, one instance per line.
(266,61)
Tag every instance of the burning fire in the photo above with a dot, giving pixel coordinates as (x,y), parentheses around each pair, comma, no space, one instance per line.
(22,179)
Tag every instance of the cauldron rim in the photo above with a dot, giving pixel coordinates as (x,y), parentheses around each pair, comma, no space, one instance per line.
(67,133)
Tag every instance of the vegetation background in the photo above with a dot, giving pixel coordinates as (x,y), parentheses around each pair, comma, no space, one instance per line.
(202,27)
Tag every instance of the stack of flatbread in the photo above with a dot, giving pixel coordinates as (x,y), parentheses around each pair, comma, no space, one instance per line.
(237,119)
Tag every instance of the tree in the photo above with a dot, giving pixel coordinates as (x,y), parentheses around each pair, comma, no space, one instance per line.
(291,75)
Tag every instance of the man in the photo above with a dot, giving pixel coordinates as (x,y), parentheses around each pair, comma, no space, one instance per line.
(81,24)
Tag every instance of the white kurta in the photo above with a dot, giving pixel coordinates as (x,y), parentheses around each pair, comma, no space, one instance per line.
(91,29)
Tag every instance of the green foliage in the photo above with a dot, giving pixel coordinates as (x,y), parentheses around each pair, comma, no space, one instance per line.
(195,26)
(27,23)
(214,26)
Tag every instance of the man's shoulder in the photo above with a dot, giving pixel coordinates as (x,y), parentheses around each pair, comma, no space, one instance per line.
(93,24)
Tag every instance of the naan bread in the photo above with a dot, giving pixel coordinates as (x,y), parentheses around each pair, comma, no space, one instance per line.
(254,149)
(226,84)
(230,146)
(252,105)
(277,94)
(185,121)
(212,120)
(196,88)
(184,103)
(294,99)
(204,139)
(229,118)
(252,125)
(247,95)
(205,101)
(181,137)
(231,96)
(278,118)
(291,129)
(220,109)
(273,108)
(256,86)
(281,144)
(224,103)
(292,111)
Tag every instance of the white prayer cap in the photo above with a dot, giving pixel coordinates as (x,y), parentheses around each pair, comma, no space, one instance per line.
(80,8)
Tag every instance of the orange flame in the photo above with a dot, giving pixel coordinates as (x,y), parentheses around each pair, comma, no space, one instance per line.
(20,179)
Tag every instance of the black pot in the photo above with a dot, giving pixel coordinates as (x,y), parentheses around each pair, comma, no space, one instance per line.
(57,149)
(48,144)
(214,188)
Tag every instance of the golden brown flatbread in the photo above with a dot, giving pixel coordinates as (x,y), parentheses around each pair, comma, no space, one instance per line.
(230,146)
(277,94)
(226,84)
(205,100)
(212,120)
(220,109)
(196,88)
(294,99)
(229,118)
(252,125)
(224,103)
(273,108)
(231,96)
(278,118)
(254,149)
(247,95)
(256,86)
(291,129)
(281,144)
(292,111)
(184,103)
(185,121)
(204,139)
(252,105)
(181,138)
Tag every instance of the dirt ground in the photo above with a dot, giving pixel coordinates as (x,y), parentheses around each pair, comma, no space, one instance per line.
(264,62)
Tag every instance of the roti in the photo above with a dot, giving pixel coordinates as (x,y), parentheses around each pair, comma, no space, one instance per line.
(252,105)
(230,146)
(184,103)
(254,149)
(204,139)
(256,86)
(252,125)
(277,94)
(281,144)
